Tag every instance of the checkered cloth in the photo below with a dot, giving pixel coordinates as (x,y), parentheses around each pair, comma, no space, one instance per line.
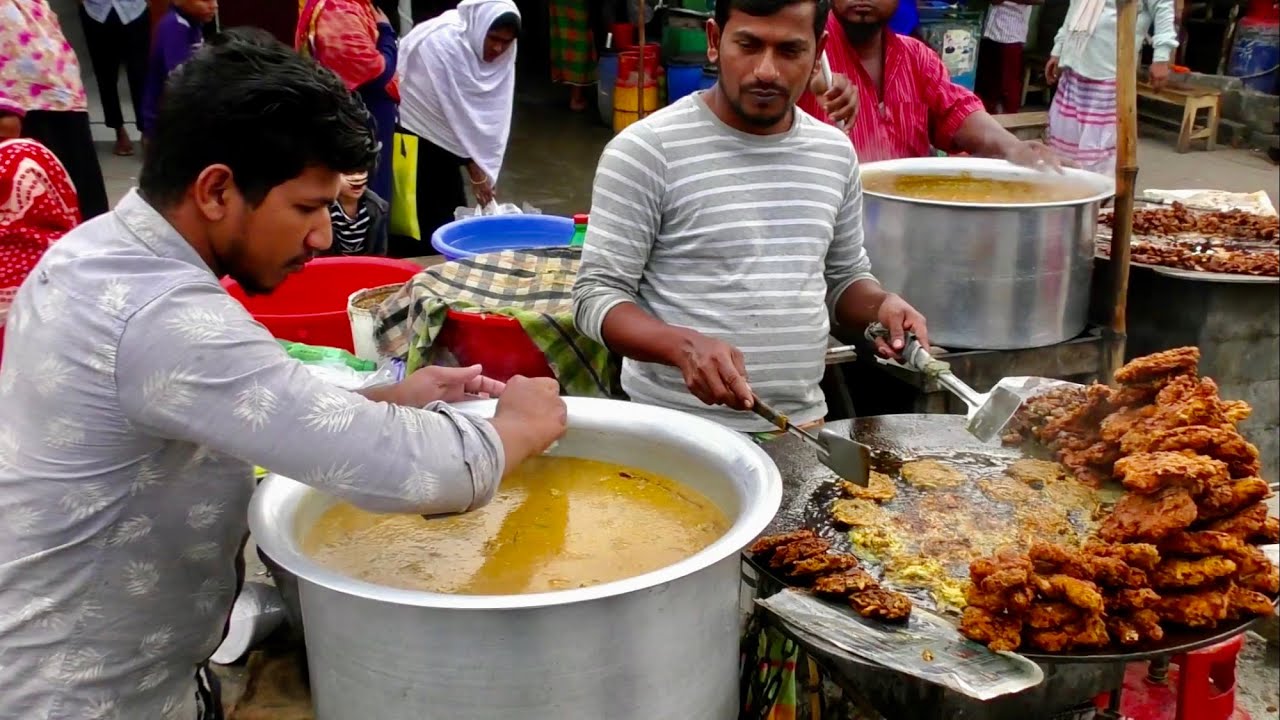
(532,286)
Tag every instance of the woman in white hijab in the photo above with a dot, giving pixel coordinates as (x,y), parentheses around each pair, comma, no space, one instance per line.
(457,85)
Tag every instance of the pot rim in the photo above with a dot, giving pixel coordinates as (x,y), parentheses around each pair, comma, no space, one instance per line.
(1103,187)
(277,497)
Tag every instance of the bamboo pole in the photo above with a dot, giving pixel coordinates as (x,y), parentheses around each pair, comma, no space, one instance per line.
(643,59)
(1126,175)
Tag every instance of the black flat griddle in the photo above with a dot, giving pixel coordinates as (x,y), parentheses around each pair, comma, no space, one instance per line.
(809,487)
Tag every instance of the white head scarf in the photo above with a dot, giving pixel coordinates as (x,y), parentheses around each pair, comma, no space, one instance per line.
(449,94)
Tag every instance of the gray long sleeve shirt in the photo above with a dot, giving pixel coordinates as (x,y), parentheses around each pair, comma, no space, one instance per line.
(135,395)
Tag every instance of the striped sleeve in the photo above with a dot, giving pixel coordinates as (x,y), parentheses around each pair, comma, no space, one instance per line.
(626,215)
(847,260)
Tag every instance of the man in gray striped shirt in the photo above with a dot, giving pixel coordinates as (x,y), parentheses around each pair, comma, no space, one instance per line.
(726,230)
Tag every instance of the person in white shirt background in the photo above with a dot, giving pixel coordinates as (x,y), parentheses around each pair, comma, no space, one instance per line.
(118,32)
(999,81)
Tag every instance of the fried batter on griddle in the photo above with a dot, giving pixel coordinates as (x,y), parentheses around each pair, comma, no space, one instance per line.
(1178,361)
(1142,626)
(768,543)
(1129,600)
(1052,615)
(880,604)
(1198,609)
(822,565)
(1036,473)
(1201,543)
(1246,603)
(932,474)
(842,585)
(792,553)
(1245,524)
(1146,473)
(1244,492)
(857,512)
(1220,443)
(1081,593)
(998,632)
(1003,488)
(880,488)
(1148,518)
(1091,631)
(1181,573)
(1142,556)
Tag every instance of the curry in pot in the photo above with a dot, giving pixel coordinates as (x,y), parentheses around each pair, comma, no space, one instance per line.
(969,188)
(556,523)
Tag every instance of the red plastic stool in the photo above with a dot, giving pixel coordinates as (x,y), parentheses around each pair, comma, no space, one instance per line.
(1201,687)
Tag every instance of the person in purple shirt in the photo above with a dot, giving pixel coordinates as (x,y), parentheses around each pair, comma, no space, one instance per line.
(176,37)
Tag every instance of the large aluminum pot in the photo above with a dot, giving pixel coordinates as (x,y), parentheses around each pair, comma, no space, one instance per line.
(662,645)
(987,276)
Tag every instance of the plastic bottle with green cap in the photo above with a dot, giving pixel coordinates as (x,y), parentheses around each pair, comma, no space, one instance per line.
(579,230)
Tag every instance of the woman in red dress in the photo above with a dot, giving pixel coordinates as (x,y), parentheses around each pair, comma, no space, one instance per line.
(37,204)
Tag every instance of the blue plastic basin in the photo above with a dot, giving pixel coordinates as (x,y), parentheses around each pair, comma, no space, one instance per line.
(473,236)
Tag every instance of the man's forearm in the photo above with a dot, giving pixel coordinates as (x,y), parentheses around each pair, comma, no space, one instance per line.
(634,333)
(859,304)
(981,134)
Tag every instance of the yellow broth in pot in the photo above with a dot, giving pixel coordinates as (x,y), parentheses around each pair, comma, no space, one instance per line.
(968,188)
(556,523)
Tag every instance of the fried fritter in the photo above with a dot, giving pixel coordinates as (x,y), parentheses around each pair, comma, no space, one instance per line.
(1189,401)
(1001,580)
(1051,559)
(1141,627)
(1244,524)
(1201,543)
(880,604)
(998,632)
(1257,572)
(1244,492)
(1131,599)
(1004,559)
(1202,608)
(1269,534)
(1220,443)
(1146,473)
(880,488)
(1052,615)
(768,543)
(1143,556)
(1005,489)
(1091,631)
(1178,361)
(1236,411)
(822,565)
(857,512)
(1247,603)
(1120,425)
(1148,518)
(842,585)
(1014,601)
(1181,573)
(1116,573)
(1081,593)
(794,552)
(932,474)
(1036,473)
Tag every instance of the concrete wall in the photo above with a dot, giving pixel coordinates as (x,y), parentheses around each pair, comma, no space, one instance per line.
(1237,328)
(1248,117)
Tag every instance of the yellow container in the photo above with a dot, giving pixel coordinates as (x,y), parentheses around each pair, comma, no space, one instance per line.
(625,105)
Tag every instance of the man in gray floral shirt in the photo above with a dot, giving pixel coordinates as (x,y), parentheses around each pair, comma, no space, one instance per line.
(135,394)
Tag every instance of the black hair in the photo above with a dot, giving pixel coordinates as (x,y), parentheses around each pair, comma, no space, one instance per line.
(253,104)
(766,8)
(507,21)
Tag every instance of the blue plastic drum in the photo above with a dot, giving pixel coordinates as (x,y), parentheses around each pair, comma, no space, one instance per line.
(607,75)
(682,79)
(472,236)
(1255,56)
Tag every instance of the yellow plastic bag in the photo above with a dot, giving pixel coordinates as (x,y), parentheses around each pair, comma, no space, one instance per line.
(404,187)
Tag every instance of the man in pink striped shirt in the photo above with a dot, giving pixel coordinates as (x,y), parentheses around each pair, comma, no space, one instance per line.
(907,104)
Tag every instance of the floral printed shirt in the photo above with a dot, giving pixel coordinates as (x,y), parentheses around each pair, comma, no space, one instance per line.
(38,67)
(135,397)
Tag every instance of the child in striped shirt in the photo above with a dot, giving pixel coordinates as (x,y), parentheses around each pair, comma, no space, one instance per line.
(359,219)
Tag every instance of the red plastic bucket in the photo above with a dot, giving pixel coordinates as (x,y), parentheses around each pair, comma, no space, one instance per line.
(624,36)
(311,306)
(496,342)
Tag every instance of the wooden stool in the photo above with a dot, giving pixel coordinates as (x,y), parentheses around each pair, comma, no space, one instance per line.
(1192,100)
(1025,125)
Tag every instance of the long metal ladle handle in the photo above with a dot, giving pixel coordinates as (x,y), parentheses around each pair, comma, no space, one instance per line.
(915,357)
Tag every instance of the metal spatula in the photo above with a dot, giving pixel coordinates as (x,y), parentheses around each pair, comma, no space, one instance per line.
(846,457)
(988,413)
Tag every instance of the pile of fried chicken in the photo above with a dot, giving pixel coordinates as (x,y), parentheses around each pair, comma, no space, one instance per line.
(805,560)
(1179,547)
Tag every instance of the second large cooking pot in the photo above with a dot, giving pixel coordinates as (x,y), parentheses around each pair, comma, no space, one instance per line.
(658,646)
(987,276)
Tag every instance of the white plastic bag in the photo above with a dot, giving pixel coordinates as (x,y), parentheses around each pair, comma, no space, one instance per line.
(495,208)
